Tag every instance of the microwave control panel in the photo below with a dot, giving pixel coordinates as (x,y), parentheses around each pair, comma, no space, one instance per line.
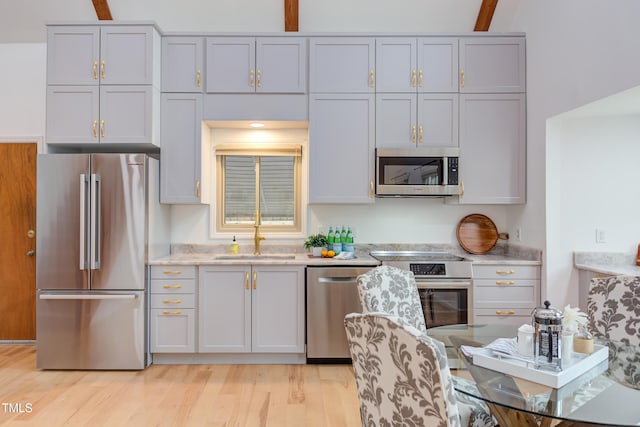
(452,171)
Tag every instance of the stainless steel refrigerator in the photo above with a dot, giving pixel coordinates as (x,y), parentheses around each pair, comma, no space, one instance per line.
(98,222)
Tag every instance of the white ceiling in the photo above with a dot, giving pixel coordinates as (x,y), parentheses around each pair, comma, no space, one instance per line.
(25,20)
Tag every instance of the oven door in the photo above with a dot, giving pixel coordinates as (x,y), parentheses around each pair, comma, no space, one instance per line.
(445,303)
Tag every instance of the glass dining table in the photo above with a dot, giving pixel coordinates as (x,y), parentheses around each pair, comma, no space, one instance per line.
(607,395)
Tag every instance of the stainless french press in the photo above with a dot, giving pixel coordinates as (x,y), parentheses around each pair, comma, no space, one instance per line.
(547,336)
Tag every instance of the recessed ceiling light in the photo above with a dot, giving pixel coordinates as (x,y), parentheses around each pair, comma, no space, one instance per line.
(256,125)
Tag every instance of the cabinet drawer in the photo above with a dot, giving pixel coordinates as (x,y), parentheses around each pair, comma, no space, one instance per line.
(501,316)
(171,301)
(506,271)
(173,286)
(516,294)
(173,272)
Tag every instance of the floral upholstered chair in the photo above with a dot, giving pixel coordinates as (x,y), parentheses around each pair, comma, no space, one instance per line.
(614,313)
(402,376)
(613,308)
(392,290)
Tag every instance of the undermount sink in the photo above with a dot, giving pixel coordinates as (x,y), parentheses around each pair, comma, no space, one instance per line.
(250,257)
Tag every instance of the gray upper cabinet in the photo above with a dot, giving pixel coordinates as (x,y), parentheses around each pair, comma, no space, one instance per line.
(492,148)
(341,148)
(182,157)
(256,65)
(102,84)
(182,64)
(409,65)
(342,65)
(492,65)
(405,120)
(94,55)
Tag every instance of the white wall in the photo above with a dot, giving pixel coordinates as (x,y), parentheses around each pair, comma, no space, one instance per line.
(589,160)
(22,89)
(577,51)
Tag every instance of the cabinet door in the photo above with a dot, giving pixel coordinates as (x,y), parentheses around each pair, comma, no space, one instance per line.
(492,65)
(182,60)
(181,133)
(73,55)
(231,64)
(126,114)
(172,330)
(339,65)
(396,120)
(492,148)
(281,65)
(396,69)
(437,64)
(126,55)
(72,114)
(341,145)
(438,120)
(224,310)
(278,319)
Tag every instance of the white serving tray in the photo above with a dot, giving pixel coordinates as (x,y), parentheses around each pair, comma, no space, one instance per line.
(522,368)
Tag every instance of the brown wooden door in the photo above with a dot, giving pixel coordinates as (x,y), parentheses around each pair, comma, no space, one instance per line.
(18,245)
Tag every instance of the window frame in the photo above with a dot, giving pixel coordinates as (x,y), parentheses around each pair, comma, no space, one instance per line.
(295,228)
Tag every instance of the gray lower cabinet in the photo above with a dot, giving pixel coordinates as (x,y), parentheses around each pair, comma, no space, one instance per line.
(251,309)
(172,302)
(505,293)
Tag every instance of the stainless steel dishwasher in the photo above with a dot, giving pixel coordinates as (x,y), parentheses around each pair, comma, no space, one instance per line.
(331,294)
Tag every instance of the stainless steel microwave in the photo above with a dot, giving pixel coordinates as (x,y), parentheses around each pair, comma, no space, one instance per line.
(422,171)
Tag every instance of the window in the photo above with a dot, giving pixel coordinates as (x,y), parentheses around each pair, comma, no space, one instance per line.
(260,181)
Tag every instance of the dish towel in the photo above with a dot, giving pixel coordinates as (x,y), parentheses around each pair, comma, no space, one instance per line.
(508,346)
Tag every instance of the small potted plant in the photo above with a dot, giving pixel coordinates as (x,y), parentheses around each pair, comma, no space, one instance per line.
(316,242)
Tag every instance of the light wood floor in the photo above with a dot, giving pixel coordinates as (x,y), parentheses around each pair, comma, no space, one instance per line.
(176,395)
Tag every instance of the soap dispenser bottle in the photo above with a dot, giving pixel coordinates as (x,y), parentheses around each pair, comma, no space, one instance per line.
(234,246)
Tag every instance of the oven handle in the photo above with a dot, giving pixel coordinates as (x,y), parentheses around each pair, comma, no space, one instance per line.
(442,284)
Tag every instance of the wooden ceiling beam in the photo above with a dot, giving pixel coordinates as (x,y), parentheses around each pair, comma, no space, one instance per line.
(485,14)
(290,15)
(102,10)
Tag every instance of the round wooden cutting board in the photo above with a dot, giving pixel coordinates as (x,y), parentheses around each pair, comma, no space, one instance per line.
(477,234)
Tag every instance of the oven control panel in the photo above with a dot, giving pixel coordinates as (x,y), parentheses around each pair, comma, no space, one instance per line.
(428,269)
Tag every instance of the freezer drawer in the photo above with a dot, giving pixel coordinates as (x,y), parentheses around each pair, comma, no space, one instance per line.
(91,330)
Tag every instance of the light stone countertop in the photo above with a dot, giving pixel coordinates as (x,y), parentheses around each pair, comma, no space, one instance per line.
(611,263)
(283,254)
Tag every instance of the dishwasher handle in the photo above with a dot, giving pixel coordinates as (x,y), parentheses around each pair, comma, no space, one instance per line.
(336,279)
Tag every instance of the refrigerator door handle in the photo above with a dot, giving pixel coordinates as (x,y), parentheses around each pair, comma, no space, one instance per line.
(83,221)
(87,296)
(95,223)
